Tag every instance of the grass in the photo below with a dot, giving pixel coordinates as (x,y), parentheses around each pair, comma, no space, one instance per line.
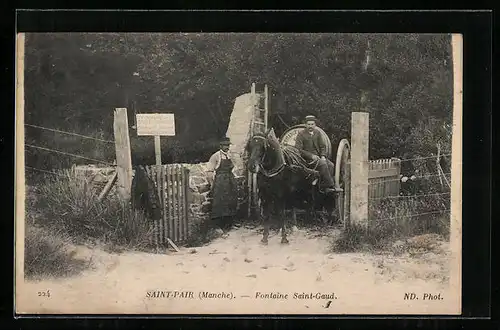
(49,254)
(63,210)
(393,219)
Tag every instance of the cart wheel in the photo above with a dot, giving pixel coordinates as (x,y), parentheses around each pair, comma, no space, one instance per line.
(343,181)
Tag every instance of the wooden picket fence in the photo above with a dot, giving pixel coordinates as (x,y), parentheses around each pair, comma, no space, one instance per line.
(383,178)
(172,184)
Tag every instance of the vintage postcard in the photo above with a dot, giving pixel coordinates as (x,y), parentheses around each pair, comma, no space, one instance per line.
(238,173)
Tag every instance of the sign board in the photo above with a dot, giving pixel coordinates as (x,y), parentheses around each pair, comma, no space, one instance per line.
(155,124)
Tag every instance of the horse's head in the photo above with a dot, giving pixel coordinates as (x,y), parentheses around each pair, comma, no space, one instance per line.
(256,149)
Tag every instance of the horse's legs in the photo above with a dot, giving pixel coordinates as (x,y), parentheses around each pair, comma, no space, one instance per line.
(284,240)
(312,209)
(294,219)
(330,211)
(265,234)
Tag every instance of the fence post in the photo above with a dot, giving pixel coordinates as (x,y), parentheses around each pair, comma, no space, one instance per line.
(123,153)
(359,168)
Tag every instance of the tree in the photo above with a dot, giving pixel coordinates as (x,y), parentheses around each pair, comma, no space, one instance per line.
(74,81)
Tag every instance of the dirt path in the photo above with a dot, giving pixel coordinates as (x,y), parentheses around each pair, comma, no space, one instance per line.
(240,267)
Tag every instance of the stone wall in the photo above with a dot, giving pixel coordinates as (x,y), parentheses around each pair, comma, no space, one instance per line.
(199,198)
(199,194)
(97,176)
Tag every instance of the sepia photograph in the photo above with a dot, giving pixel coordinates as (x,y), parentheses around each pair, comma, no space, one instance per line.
(238,173)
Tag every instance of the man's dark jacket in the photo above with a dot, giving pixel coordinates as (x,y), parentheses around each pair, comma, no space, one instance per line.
(310,144)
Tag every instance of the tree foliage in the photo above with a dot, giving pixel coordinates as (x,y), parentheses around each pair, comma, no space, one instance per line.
(74,81)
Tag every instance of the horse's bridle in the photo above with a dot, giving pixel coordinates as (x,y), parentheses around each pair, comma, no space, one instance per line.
(267,173)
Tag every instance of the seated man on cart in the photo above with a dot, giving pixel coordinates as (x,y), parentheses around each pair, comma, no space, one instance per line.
(314,150)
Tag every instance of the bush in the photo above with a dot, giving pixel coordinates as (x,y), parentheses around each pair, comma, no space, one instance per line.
(47,254)
(69,204)
(391,219)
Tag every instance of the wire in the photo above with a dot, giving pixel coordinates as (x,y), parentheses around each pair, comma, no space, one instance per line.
(44,171)
(411,196)
(69,133)
(416,158)
(412,215)
(68,154)
(417,177)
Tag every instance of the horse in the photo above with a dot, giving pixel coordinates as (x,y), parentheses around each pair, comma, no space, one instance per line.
(284,180)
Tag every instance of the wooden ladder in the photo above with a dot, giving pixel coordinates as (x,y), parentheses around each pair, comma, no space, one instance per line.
(259,124)
(260,115)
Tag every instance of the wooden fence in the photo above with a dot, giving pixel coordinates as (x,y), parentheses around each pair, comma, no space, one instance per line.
(172,184)
(383,178)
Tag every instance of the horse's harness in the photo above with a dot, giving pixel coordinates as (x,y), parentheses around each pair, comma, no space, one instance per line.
(273,172)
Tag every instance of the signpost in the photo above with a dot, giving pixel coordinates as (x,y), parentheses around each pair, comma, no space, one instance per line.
(156,124)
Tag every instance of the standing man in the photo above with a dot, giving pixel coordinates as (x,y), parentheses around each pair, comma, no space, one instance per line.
(223,185)
(314,149)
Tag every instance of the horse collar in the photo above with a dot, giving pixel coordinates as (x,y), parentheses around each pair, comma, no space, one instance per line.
(273,172)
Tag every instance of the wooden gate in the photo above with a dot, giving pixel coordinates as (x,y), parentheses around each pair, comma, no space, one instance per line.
(172,184)
(383,178)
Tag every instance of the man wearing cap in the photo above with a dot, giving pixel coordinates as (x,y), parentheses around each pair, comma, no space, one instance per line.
(223,187)
(314,149)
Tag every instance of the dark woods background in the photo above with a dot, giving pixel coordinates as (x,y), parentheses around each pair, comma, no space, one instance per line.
(74,81)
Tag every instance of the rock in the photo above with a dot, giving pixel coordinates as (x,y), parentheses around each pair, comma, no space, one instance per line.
(205,207)
(195,208)
(96,176)
(197,180)
(100,178)
(204,188)
(239,129)
(197,199)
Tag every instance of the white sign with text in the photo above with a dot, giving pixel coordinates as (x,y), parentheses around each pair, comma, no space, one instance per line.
(156,124)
